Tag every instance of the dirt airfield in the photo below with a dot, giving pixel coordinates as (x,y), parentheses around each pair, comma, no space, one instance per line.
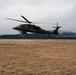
(50,57)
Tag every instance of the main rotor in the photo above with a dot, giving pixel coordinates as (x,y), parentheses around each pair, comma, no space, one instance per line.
(27,21)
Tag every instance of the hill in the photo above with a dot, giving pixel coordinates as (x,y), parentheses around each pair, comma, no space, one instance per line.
(63,35)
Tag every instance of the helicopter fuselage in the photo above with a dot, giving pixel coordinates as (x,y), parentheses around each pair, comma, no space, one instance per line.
(24,28)
(29,27)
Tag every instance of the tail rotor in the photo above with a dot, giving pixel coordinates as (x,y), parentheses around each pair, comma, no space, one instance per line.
(57,27)
(56,30)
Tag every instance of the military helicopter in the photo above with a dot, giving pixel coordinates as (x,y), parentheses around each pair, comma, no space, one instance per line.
(31,27)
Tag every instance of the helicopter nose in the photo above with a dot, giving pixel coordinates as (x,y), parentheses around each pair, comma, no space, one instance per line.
(16,28)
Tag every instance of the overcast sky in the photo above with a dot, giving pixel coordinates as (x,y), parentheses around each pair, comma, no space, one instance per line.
(47,11)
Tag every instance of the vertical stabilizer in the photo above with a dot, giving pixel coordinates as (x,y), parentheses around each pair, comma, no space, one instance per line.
(56,30)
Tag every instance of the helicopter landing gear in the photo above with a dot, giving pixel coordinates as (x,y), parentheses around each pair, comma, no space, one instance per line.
(23,32)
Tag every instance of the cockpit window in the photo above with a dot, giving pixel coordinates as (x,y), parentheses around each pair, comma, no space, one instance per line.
(36,27)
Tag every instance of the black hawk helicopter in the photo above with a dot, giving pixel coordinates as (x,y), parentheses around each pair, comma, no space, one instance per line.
(30,27)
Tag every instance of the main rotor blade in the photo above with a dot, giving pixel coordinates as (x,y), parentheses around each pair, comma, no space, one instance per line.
(43,23)
(35,22)
(26,19)
(29,21)
(16,20)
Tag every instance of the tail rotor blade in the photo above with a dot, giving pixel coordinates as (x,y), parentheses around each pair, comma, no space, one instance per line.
(57,26)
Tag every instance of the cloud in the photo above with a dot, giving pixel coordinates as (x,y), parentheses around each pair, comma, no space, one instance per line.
(62,11)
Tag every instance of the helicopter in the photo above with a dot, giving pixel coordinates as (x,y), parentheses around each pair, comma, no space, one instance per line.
(30,27)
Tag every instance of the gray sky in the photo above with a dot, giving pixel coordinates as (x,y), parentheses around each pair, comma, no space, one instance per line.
(47,11)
